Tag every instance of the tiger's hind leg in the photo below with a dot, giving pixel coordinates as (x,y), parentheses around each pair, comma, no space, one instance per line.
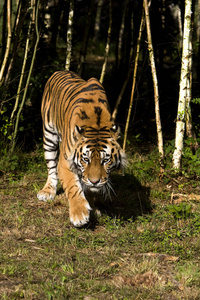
(51,153)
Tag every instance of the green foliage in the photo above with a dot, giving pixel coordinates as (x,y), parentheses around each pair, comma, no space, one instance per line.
(181,211)
(45,257)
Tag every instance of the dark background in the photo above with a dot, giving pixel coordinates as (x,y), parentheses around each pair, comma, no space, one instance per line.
(51,55)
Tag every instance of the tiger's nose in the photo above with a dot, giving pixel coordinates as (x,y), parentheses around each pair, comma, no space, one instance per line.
(94,181)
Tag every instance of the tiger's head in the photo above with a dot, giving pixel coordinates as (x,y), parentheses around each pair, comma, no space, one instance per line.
(96,154)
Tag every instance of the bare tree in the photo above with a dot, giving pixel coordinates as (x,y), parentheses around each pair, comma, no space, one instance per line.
(183,90)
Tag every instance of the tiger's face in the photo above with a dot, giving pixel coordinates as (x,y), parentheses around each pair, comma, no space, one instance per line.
(95,159)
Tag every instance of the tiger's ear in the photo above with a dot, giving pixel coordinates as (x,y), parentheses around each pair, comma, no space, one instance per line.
(116,131)
(78,131)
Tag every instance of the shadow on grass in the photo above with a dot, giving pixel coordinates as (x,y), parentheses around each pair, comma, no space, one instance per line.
(128,201)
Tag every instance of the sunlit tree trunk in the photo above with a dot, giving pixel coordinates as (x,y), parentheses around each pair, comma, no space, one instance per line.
(183,89)
(155,81)
(9,36)
(97,19)
(107,44)
(69,35)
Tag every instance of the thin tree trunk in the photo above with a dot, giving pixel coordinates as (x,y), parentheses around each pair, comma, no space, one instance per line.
(9,36)
(15,39)
(155,81)
(69,35)
(23,70)
(189,129)
(107,44)
(4,26)
(198,21)
(133,84)
(28,78)
(181,114)
(179,25)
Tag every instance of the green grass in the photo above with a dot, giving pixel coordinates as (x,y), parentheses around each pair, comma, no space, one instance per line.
(143,246)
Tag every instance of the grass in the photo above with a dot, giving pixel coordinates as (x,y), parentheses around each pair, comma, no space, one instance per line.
(142,246)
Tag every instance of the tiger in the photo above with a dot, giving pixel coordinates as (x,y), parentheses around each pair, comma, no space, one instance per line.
(79,141)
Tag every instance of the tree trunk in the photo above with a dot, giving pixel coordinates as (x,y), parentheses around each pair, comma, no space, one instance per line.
(69,35)
(155,81)
(35,17)
(198,21)
(20,17)
(107,44)
(23,70)
(9,36)
(183,90)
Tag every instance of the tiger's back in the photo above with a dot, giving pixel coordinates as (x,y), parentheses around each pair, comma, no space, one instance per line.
(76,115)
(71,101)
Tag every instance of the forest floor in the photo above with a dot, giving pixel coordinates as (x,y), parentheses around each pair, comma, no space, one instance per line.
(144,245)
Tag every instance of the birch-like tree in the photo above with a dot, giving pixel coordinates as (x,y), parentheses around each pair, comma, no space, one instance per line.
(69,35)
(183,88)
(155,80)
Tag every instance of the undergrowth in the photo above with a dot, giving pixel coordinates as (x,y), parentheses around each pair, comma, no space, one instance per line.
(144,245)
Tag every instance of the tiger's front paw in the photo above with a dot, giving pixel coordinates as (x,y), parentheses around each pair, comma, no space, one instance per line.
(80,213)
(45,195)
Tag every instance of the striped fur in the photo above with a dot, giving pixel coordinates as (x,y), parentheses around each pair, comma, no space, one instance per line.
(80,141)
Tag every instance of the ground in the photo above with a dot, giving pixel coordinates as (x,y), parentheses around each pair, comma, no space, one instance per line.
(144,245)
